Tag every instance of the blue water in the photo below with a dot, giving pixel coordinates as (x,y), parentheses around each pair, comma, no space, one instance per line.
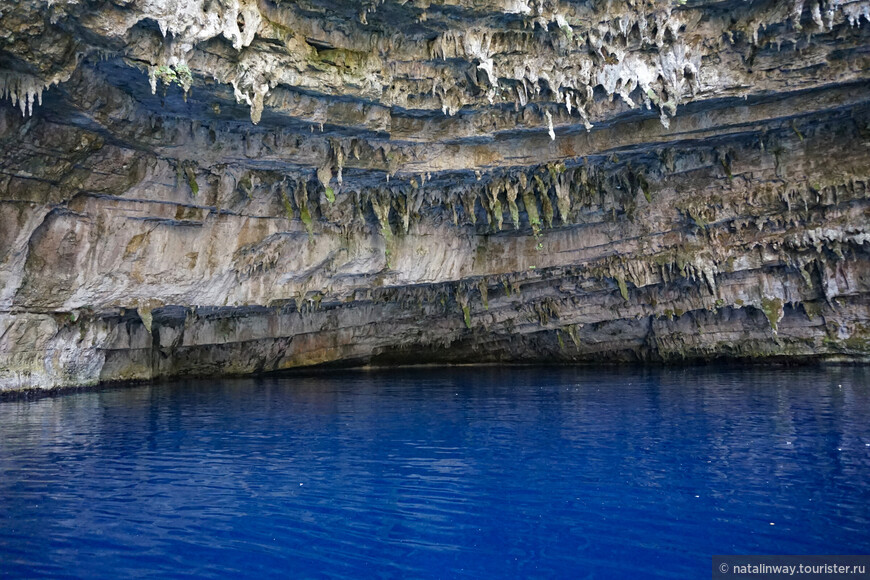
(438,473)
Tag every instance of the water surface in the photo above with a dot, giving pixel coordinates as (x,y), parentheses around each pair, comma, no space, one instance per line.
(438,473)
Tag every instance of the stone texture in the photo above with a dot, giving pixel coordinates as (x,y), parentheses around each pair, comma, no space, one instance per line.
(224,187)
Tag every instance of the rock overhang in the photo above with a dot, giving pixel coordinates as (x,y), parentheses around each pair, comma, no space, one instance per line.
(542,181)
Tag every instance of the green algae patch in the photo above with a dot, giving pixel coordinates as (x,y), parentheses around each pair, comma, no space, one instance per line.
(484,294)
(288,207)
(305,216)
(572,332)
(191,180)
(466,315)
(623,289)
(772,308)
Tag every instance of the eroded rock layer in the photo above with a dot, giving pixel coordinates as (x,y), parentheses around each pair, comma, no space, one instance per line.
(229,187)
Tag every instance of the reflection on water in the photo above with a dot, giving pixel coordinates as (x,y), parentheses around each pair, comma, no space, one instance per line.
(515,472)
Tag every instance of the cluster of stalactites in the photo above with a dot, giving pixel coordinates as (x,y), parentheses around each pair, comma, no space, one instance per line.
(664,71)
(637,55)
(825,14)
(192,21)
(22,89)
(532,198)
(189,23)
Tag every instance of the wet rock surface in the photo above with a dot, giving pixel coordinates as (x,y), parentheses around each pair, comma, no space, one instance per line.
(223,187)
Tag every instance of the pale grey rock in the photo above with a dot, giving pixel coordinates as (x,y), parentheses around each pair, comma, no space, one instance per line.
(224,187)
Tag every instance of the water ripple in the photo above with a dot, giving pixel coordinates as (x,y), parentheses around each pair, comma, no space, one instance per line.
(538,473)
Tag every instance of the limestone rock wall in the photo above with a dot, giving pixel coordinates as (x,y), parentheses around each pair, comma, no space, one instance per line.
(225,187)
